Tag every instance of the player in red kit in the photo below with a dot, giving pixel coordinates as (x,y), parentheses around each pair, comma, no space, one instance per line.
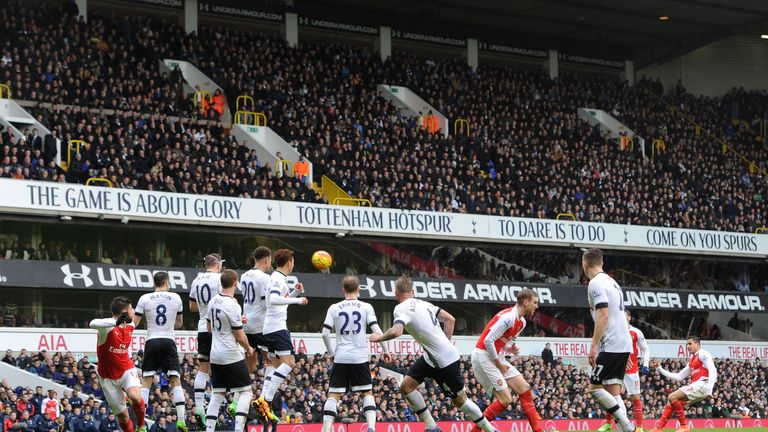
(632,375)
(493,372)
(701,369)
(117,372)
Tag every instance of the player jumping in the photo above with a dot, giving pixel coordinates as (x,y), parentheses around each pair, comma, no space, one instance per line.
(163,311)
(229,370)
(440,360)
(701,369)
(351,370)
(205,287)
(275,329)
(117,373)
(493,372)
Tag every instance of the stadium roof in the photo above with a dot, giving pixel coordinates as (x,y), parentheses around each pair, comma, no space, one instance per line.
(616,28)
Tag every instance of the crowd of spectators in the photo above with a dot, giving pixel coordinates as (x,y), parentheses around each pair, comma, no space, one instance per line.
(526,153)
(559,390)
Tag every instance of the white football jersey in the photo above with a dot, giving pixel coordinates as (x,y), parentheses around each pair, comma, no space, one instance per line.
(350,318)
(605,292)
(160,309)
(277,314)
(204,288)
(225,314)
(420,321)
(254,284)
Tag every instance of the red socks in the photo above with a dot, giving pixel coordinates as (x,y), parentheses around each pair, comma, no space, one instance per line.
(127,426)
(139,409)
(526,403)
(660,423)
(638,405)
(680,413)
(609,419)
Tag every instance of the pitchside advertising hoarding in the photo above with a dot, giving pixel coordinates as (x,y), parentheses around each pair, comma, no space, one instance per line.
(508,425)
(83,341)
(51,274)
(56,199)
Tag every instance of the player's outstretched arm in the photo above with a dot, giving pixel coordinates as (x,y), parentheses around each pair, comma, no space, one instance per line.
(394,332)
(683,374)
(276,299)
(449,322)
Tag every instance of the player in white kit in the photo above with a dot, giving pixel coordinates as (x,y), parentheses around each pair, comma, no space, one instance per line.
(229,371)
(254,284)
(205,287)
(275,329)
(162,310)
(351,369)
(632,374)
(701,368)
(440,360)
(611,343)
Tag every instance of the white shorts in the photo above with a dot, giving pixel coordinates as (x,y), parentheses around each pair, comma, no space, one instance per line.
(115,390)
(696,391)
(487,374)
(632,383)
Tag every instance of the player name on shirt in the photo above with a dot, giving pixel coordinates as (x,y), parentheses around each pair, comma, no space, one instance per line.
(420,319)
(350,319)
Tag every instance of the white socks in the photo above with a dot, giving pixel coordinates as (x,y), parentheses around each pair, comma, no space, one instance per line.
(474,414)
(243,403)
(420,408)
(613,405)
(369,407)
(201,380)
(213,412)
(278,376)
(181,405)
(145,395)
(268,371)
(329,414)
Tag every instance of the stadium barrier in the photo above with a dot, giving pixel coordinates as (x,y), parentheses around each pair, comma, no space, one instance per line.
(508,425)
(83,341)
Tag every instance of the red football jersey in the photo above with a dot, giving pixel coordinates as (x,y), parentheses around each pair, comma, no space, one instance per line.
(632,363)
(114,353)
(508,324)
(698,370)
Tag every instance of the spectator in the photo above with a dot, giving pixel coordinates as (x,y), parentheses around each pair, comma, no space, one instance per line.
(85,424)
(8,358)
(109,424)
(547,356)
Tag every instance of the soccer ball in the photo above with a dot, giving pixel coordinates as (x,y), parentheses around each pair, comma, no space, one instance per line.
(322,260)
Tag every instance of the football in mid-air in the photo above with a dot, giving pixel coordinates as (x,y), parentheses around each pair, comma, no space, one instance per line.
(322,260)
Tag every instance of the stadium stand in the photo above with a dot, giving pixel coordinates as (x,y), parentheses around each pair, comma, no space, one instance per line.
(558,390)
(521,123)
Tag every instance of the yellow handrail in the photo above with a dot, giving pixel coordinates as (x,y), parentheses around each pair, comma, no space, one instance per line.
(761,230)
(244,98)
(726,148)
(99,180)
(7,88)
(461,121)
(657,145)
(566,215)
(257,117)
(284,163)
(69,150)
(202,95)
(360,202)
